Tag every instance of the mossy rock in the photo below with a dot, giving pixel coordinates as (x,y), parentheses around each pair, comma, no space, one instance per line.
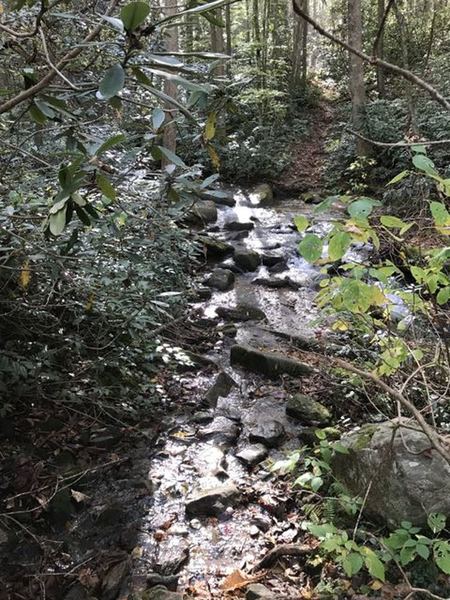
(307,410)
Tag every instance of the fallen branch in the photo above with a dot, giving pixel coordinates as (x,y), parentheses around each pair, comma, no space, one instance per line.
(373,60)
(397,144)
(284,550)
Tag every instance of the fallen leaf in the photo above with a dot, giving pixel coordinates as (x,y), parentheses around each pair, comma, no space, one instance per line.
(238,580)
(79,496)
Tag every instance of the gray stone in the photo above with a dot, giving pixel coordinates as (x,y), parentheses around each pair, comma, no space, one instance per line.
(252,454)
(239,226)
(203,211)
(268,432)
(114,578)
(215,248)
(222,430)
(263,194)
(203,293)
(168,581)
(242,312)
(221,279)
(407,479)
(267,363)
(220,388)
(247,260)
(212,502)
(272,260)
(276,282)
(219,197)
(307,410)
(161,593)
(258,591)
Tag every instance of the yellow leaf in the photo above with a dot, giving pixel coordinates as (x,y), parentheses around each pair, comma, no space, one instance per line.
(340,326)
(25,275)
(90,303)
(376,585)
(213,156)
(237,580)
(210,127)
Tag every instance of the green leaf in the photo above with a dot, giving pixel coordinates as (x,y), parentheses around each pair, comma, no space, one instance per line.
(37,115)
(423,551)
(395,223)
(352,563)
(197,9)
(425,164)
(441,552)
(171,156)
(134,14)
(45,108)
(186,83)
(112,82)
(419,149)
(105,186)
(165,97)
(398,177)
(57,221)
(362,207)
(338,245)
(311,247)
(158,118)
(436,522)
(316,483)
(301,223)
(114,140)
(440,214)
(374,564)
(443,296)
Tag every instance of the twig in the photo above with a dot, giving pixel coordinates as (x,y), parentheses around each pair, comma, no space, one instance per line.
(50,63)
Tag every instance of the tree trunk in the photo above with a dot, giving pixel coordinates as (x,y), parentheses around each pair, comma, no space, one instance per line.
(411,100)
(217,42)
(357,87)
(381,79)
(170,88)
(300,48)
(257,33)
(229,40)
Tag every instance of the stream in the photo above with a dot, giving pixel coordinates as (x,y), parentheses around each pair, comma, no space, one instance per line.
(216,505)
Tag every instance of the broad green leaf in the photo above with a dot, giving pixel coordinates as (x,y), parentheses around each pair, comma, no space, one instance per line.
(374,564)
(45,108)
(443,296)
(423,551)
(425,164)
(186,83)
(158,118)
(362,207)
(105,186)
(311,247)
(301,222)
(398,177)
(316,483)
(112,82)
(134,14)
(37,115)
(338,245)
(419,149)
(171,156)
(352,563)
(57,221)
(395,223)
(440,213)
(114,140)
(197,9)
(436,522)
(441,553)
(325,204)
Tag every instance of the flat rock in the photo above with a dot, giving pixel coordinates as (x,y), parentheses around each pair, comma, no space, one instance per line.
(219,197)
(267,432)
(214,247)
(221,279)
(220,388)
(267,363)
(258,591)
(271,260)
(160,592)
(221,429)
(307,410)
(239,226)
(252,454)
(247,260)
(212,502)
(203,211)
(276,282)
(395,469)
(242,312)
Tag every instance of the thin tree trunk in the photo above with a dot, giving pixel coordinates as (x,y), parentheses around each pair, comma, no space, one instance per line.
(357,87)
(170,88)
(257,33)
(217,42)
(229,40)
(411,101)
(381,78)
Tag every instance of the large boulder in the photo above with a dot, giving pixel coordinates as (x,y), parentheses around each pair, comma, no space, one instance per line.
(215,248)
(221,279)
(267,363)
(247,260)
(203,211)
(392,463)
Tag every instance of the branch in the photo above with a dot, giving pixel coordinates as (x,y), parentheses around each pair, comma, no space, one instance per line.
(40,85)
(373,60)
(381,27)
(400,144)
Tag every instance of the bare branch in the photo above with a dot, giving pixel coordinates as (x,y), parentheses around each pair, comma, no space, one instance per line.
(400,144)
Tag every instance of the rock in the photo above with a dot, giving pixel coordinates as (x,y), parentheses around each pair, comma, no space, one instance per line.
(252,454)
(221,279)
(171,556)
(267,363)
(311,198)
(268,433)
(229,330)
(202,416)
(247,260)
(221,430)
(113,580)
(408,480)
(215,248)
(306,409)
(258,591)
(160,592)
(111,515)
(168,581)
(203,211)
(272,260)
(203,293)
(219,197)
(242,312)
(276,282)
(278,268)
(220,388)
(212,502)
(77,592)
(262,522)
(263,194)
(239,226)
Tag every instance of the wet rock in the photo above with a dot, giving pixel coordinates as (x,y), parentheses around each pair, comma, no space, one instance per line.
(311,198)
(268,432)
(203,211)
(239,226)
(229,330)
(219,197)
(237,236)
(220,388)
(263,194)
(172,557)
(215,248)
(221,430)
(203,416)
(111,515)
(306,409)
(242,312)
(278,268)
(267,363)
(203,293)
(113,580)
(247,260)
(221,279)
(408,479)
(276,282)
(262,522)
(270,260)
(252,454)
(160,592)
(258,591)
(212,502)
